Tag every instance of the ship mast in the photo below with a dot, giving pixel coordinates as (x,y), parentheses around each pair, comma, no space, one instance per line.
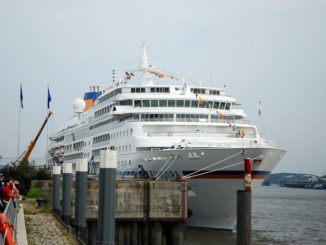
(147,77)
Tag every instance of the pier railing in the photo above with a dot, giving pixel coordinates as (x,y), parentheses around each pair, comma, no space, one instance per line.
(11,214)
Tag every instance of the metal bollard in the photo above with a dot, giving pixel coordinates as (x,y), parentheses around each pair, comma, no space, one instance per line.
(56,189)
(80,198)
(106,212)
(244,208)
(66,193)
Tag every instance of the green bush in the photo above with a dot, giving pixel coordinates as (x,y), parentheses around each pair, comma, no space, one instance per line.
(34,193)
(24,172)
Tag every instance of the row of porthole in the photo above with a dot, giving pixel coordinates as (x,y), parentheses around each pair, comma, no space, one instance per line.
(125,133)
(123,163)
(123,148)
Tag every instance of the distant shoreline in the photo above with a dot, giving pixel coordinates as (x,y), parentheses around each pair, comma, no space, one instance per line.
(293,180)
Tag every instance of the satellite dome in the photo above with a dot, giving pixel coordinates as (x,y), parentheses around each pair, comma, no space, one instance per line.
(79,105)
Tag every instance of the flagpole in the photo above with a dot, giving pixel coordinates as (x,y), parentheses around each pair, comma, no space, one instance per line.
(261,119)
(19,105)
(47,132)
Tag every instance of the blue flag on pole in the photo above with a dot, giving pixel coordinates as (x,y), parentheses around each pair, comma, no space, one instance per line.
(21,96)
(49,98)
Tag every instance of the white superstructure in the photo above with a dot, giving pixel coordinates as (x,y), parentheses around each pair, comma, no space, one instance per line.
(170,131)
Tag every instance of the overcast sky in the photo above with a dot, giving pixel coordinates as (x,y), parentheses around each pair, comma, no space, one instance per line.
(272,51)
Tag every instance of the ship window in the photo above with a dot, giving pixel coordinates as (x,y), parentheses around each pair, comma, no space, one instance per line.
(198,91)
(135,117)
(202,104)
(209,104)
(124,102)
(144,117)
(154,103)
(166,90)
(227,106)
(194,103)
(168,117)
(129,150)
(127,132)
(153,117)
(124,133)
(222,106)
(137,103)
(187,103)
(133,90)
(215,92)
(163,103)
(194,117)
(137,90)
(146,103)
(180,103)
(160,118)
(142,90)
(214,118)
(216,104)
(203,118)
(152,90)
(130,131)
(171,103)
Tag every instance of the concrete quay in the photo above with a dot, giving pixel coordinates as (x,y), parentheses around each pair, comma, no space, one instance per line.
(146,212)
(167,200)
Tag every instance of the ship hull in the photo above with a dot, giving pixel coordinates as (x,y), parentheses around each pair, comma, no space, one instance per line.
(214,175)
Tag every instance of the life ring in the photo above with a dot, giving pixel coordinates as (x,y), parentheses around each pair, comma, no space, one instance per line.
(6,231)
(169,134)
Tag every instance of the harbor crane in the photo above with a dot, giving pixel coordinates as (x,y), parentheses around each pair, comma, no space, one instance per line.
(30,148)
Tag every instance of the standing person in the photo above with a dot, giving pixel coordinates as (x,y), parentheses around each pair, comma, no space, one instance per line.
(16,188)
(1,198)
(6,193)
(16,192)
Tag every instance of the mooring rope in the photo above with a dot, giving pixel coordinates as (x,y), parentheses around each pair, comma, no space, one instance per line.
(176,157)
(232,165)
(163,167)
(186,176)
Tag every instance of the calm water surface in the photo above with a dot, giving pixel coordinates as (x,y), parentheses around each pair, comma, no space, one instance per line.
(279,216)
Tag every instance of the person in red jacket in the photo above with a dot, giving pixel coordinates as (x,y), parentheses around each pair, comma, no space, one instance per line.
(6,193)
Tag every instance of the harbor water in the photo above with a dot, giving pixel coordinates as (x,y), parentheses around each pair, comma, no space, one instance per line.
(280,215)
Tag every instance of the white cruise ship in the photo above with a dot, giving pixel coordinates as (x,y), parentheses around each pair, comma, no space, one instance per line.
(169,132)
